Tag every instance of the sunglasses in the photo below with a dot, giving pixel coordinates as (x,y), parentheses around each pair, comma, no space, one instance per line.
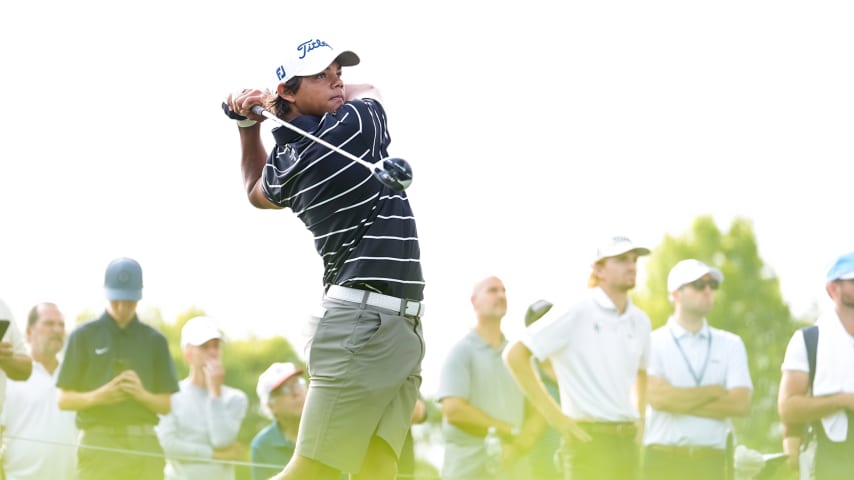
(291,389)
(701,284)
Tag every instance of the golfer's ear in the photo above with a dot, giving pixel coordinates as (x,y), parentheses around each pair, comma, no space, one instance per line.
(284,92)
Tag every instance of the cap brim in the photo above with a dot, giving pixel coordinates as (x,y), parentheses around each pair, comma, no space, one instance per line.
(640,251)
(846,276)
(285,379)
(319,63)
(199,343)
(122,295)
(347,58)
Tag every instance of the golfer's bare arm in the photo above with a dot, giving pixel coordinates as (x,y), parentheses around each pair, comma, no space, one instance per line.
(253,158)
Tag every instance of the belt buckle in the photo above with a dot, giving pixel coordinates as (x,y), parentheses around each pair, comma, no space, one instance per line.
(419,308)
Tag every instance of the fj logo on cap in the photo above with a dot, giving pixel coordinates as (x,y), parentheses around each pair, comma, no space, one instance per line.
(280,72)
(306,47)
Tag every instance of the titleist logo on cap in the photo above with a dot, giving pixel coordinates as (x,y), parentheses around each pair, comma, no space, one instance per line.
(310,45)
(304,48)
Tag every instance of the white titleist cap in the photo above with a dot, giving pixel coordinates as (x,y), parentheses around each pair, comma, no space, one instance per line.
(311,56)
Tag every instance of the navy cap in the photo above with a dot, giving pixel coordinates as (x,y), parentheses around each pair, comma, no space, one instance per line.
(123,280)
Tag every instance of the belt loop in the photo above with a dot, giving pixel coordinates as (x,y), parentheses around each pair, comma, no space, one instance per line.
(364,299)
(402,312)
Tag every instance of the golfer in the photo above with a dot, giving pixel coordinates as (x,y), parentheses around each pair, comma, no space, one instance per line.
(365,351)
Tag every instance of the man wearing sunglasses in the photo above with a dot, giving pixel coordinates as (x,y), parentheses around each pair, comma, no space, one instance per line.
(697,378)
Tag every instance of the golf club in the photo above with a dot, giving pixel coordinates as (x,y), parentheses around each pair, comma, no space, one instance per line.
(394,173)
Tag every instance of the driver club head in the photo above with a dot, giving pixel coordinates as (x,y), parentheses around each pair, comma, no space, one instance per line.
(395,173)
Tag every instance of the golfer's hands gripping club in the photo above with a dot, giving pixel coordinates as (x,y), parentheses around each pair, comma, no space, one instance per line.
(238,105)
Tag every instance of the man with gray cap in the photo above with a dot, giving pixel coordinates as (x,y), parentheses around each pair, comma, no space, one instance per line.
(118,375)
(824,395)
(598,348)
(199,435)
(697,379)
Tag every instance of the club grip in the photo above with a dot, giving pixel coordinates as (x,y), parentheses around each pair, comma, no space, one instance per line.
(230,114)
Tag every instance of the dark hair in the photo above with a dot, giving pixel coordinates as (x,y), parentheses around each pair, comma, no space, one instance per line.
(33,316)
(278,105)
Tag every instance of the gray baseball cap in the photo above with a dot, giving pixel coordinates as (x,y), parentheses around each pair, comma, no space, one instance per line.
(123,280)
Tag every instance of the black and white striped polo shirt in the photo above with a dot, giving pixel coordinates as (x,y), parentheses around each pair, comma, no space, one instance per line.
(364,231)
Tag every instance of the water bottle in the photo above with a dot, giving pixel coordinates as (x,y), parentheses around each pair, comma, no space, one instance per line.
(492,443)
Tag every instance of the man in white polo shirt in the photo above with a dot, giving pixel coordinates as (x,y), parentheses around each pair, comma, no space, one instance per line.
(598,349)
(697,378)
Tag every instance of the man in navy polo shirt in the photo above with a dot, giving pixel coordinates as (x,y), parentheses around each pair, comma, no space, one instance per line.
(117,375)
(364,379)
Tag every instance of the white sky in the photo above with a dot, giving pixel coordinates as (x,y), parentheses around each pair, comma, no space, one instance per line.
(534,129)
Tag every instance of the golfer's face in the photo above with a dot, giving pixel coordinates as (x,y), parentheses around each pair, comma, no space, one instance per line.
(321,93)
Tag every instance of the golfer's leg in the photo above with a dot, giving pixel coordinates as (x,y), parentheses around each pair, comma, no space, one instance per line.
(303,468)
(380,462)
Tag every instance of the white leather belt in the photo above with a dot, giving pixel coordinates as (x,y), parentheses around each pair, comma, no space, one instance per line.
(409,308)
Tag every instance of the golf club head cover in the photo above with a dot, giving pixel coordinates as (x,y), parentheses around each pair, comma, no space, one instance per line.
(536,310)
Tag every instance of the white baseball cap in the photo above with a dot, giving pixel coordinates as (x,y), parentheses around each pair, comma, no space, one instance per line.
(618,245)
(273,378)
(199,330)
(689,270)
(311,56)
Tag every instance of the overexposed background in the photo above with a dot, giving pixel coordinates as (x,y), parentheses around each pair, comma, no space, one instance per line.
(534,129)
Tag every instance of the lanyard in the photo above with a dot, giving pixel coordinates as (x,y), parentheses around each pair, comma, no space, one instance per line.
(697,378)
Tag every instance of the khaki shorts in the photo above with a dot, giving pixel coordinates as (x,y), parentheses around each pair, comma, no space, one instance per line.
(364,365)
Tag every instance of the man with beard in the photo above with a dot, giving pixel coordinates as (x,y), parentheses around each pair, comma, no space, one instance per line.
(824,396)
(599,348)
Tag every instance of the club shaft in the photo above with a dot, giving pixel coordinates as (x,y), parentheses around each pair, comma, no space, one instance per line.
(258,110)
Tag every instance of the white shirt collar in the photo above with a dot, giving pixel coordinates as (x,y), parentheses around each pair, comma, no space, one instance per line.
(679,331)
(603,300)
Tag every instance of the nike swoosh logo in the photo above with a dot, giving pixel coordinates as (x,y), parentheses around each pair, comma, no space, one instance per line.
(101,351)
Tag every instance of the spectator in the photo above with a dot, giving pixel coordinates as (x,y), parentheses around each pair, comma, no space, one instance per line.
(824,396)
(14,361)
(477,392)
(199,435)
(697,379)
(281,392)
(40,439)
(544,464)
(406,463)
(599,350)
(118,376)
